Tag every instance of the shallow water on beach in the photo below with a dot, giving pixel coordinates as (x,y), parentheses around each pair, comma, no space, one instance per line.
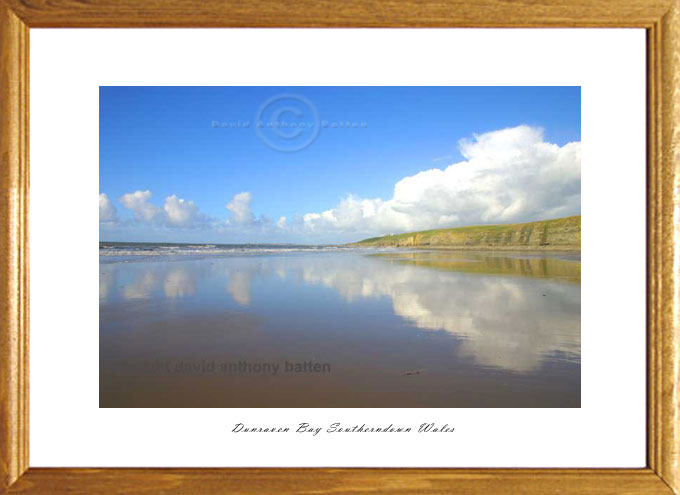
(341,328)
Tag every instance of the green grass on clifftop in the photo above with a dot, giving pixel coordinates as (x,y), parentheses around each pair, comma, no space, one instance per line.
(560,233)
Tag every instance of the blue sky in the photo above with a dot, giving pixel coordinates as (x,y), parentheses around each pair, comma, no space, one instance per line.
(177,142)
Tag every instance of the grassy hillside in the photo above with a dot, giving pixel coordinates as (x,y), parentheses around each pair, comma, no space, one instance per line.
(560,233)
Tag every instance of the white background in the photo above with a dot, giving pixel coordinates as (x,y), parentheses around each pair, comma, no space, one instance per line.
(67,66)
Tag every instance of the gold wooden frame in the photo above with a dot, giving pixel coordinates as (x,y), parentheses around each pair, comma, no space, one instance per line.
(661,19)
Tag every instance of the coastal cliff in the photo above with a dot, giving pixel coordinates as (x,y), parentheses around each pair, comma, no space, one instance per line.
(557,234)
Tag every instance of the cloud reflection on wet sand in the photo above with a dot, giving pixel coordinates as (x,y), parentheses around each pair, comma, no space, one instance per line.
(512,313)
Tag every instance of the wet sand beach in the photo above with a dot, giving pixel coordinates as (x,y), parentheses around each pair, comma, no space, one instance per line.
(346,328)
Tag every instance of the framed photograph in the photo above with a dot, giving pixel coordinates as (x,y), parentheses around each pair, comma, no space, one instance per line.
(339,260)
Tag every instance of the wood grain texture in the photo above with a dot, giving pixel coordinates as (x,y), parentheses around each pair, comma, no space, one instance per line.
(338,13)
(667,367)
(654,246)
(13,247)
(338,482)
(662,20)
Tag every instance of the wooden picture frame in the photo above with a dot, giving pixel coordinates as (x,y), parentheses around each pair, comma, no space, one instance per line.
(660,18)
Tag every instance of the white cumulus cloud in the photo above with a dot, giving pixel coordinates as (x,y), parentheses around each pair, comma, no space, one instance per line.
(138,202)
(509,175)
(176,212)
(239,206)
(181,213)
(107,211)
